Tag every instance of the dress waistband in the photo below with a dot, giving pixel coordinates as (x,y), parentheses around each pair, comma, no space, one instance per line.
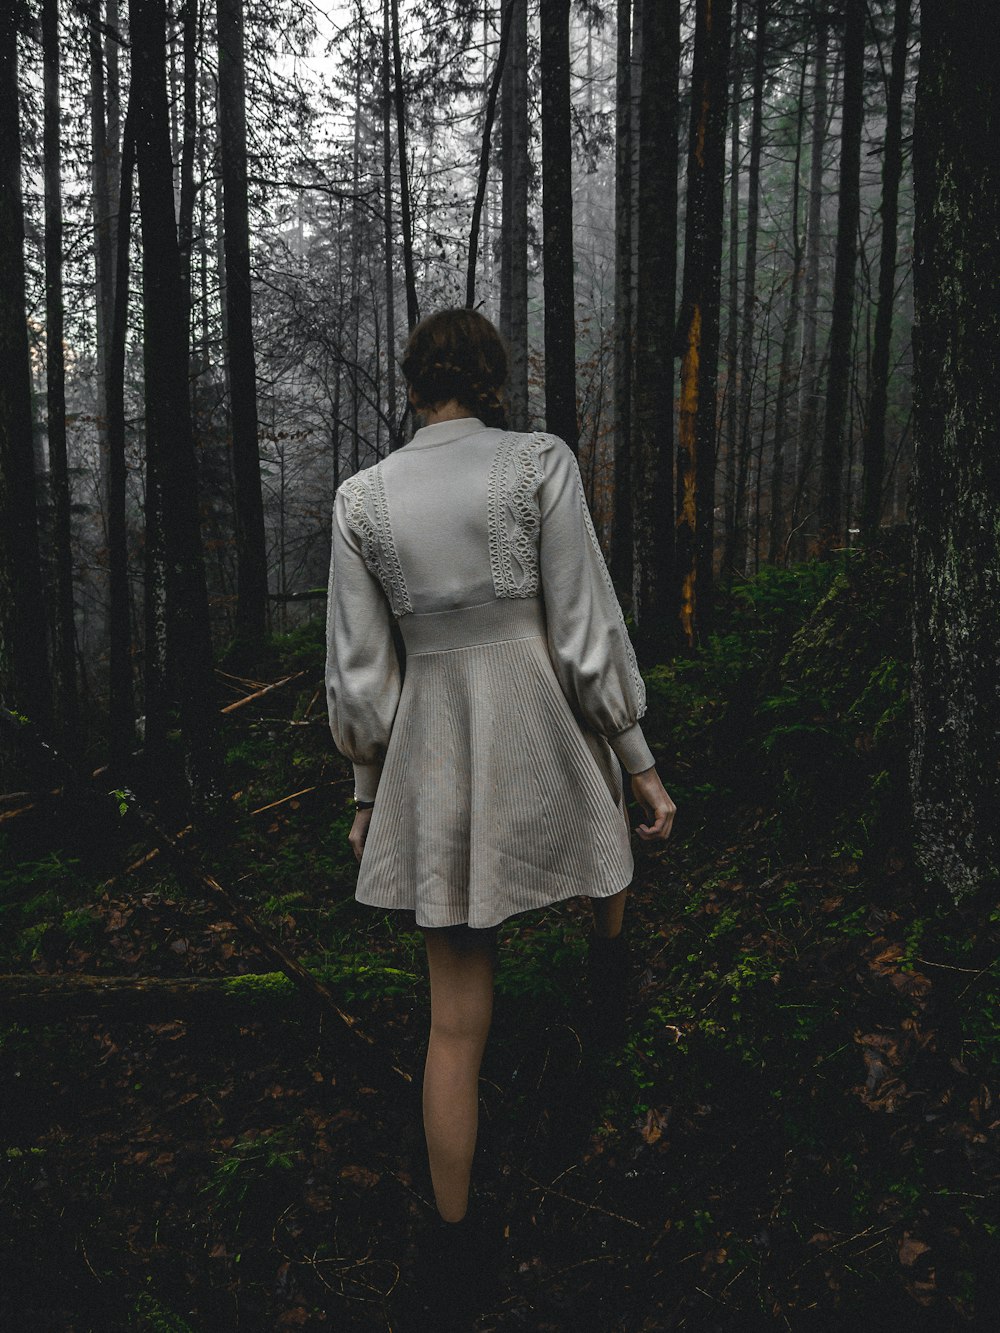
(496,621)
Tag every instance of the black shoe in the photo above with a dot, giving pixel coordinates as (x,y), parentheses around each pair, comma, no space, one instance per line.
(609,969)
(455,1274)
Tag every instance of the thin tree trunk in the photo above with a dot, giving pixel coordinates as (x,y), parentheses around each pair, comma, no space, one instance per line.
(652,489)
(484,156)
(168,411)
(121,704)
(395,440)
(25,684)
(806,436)
(406,216)
(744,446)
(517,58)
(557,224)
(848,212)
(776,530)
(698,325)
(620,557)
(64,647)
(731,432)
(873,459)
(955,777)
(251,548)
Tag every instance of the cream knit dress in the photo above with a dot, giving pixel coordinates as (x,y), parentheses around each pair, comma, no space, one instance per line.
(491,747)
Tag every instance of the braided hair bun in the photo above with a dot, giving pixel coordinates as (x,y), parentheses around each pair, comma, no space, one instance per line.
(458,354)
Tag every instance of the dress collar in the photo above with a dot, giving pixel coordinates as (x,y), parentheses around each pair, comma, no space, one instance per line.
(443,431)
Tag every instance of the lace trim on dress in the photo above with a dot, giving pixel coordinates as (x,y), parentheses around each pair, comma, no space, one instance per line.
(368,516)
(513,489)
(633,665)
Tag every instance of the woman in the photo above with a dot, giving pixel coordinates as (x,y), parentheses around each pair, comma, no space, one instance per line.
(487,778)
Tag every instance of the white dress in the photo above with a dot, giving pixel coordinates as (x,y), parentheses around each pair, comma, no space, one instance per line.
(491,747)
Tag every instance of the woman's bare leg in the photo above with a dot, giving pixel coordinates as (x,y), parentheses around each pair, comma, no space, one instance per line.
(461,962)
(608,914)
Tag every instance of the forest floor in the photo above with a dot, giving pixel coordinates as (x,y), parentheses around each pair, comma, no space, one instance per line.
(799,1132)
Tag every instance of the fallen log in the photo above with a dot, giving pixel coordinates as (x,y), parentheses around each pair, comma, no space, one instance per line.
(147,999)
(259,694)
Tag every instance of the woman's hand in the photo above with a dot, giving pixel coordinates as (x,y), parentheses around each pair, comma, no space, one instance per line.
(359,831)
(648,790)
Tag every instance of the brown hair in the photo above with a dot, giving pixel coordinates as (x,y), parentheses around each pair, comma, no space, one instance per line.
(458,354)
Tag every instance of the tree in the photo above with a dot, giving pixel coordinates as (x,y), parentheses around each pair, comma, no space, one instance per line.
(873,474)
(25,684)
(64,639)
(848,211)
(515,165)
(652,444)
(698,321)
(184,630)
(251,553)
(557,224)
(955,502)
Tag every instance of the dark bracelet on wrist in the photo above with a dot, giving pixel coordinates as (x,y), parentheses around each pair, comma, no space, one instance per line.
(363,805)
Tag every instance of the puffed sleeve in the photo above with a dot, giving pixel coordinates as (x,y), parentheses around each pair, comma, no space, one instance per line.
(588,640)
(363,678)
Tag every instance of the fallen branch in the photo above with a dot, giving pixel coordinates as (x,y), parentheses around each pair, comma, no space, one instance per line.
(259,694)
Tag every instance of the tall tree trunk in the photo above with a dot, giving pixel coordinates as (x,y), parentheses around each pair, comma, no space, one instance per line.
(809,396)
(517,57)
(121,706)
(557,224)
(169,438)
(489,118)
(652,490)
(776,529)
(873,460)
(744,446)
(698,323)
(620,557)
(730,439)
(955,494)
(395,439)
(830,513)
(251,549)
(25,684)
(64,646)
(406,215)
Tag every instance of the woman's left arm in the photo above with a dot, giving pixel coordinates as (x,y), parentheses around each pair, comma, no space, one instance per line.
(363,678)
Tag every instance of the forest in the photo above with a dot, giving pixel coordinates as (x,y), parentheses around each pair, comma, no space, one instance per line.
(745,256)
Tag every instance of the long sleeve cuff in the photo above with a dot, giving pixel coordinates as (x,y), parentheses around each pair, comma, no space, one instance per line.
(631,748)
(366,778)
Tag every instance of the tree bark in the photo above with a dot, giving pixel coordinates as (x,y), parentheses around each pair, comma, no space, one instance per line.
(809,395)
(747,328)
(64,646)
(830,514)
(776,527)
(955,496)
(395,439)
(698,323)
(873,459)
(484,156)
(121,704)
(25,683)
(730,438)
(406,215)
(169,438)
(557,224)
(515,167)
(620,556)
(251,548)
(652,487)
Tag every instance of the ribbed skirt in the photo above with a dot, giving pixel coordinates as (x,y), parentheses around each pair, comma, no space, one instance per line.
(493,798)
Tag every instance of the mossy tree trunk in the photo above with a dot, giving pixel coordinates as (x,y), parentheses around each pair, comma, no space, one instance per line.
(955,498)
